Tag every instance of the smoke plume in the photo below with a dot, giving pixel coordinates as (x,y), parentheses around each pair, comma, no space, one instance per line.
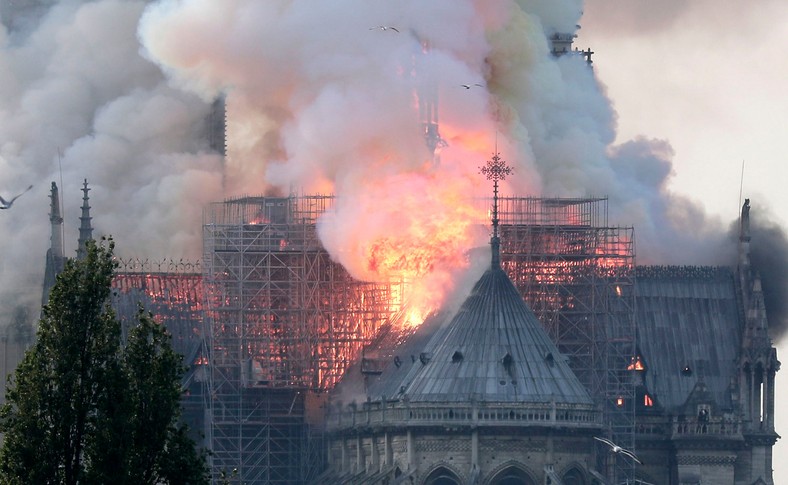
(321,97)
(78,101)
(770,260)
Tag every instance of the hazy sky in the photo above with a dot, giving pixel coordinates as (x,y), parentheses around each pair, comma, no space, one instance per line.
(711,78)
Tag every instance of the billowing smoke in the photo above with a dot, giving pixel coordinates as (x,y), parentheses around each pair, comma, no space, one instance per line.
(322,97)
(769,258)
(78,101)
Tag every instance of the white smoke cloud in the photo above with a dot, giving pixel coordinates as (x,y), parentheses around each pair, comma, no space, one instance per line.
(570,125)
(78,101)
(325,102)
(322,100)
(319,100)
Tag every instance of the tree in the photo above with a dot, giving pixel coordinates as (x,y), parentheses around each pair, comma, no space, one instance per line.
(141,441)
(83,408)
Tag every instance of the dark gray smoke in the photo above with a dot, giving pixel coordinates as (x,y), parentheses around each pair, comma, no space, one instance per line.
(769,256)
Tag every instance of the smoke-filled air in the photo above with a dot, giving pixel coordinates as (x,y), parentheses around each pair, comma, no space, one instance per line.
(391,106)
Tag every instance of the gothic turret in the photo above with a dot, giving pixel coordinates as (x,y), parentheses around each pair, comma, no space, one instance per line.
(758,364)
(55,259)
(85,228)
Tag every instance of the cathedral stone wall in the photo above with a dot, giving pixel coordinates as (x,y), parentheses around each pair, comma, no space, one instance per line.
(714,467)
(428,450)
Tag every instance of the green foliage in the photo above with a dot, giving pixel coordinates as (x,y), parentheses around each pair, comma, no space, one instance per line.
(82,408)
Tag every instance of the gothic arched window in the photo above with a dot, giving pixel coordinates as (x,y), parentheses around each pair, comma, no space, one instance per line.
(442,476)
(512,476)
(573,477)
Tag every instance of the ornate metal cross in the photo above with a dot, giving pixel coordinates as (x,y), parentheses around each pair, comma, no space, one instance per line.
(495,170)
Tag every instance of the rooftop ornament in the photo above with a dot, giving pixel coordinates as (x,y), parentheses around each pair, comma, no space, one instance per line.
(496,169)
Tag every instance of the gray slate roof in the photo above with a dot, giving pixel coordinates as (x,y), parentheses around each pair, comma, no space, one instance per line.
(688,316)
(493,349)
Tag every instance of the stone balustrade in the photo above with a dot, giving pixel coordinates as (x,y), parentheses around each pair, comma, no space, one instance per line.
(711,428)
(461,414)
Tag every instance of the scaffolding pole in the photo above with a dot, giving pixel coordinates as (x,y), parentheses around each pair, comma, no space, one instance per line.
(285,321)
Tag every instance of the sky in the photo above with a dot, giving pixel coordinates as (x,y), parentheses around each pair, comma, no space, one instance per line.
(712,79)
(709,77)
(679,119)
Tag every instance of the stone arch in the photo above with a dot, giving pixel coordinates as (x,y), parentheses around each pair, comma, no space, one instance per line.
(443,474)
(511,473)
(574,474)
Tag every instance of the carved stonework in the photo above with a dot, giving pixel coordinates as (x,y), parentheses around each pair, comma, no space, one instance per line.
(519,445)
(700,460)
(399,446)
(442,464)
(511,463)
(766,439)
(574,446)
(457,445)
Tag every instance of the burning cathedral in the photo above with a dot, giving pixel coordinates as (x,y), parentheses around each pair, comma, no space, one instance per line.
(566,362)
(299,373)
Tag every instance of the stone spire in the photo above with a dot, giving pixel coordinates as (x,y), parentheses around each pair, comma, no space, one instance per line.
(85,228)
(758,362)
(745,276)
(55,258)
(56,220)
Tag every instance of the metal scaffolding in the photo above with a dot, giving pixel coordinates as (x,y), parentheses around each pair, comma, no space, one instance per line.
(283,323)
(577,275)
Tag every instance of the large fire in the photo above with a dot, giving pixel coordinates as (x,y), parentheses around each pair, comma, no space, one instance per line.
(417,229)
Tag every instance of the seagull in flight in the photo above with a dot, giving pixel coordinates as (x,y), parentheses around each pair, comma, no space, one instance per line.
(6,204)
(469,86)
(384,27)
(617,449)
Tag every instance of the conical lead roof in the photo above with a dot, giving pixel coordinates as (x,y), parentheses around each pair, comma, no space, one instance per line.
(494,350)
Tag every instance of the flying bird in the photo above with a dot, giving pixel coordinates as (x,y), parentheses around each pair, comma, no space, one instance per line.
(617,449)
(384,27)
(469,86)
(6,204)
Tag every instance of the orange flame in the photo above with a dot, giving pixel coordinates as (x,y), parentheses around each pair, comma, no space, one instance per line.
(432,243)
(636,364)
(415,229)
